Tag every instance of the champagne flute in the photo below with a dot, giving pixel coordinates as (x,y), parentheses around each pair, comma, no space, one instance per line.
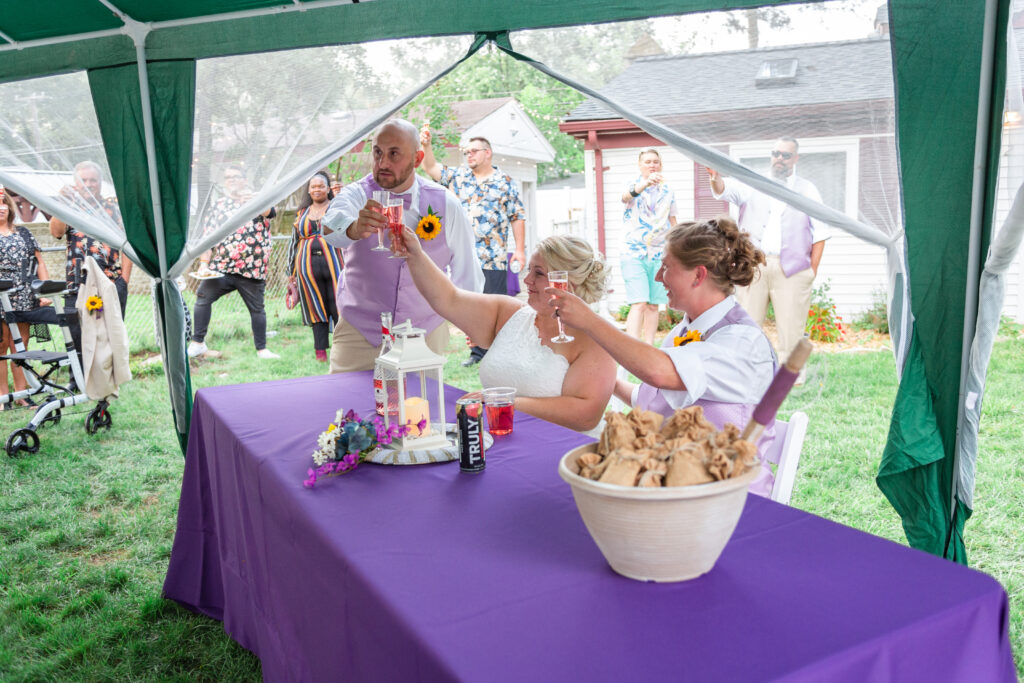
(559,279)
(382,197)
(394,214)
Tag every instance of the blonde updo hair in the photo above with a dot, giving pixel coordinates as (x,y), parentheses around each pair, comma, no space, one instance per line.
(717,244)
(588,274)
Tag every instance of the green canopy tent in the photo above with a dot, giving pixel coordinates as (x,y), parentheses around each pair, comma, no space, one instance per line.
(141,64)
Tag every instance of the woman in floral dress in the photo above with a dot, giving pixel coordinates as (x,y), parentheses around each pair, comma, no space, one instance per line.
(19,256)
(315,267)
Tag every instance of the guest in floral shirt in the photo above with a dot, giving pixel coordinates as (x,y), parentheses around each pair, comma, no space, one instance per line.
(238,263)
(649,214)
(86,195)
(492,201)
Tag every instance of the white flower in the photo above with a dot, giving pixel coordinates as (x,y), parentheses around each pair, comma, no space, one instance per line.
(327,440)
(326,444)
(320,457)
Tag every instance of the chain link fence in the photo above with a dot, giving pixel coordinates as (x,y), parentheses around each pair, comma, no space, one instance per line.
(230,317)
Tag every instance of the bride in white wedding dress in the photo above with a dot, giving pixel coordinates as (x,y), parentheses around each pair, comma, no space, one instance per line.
(565,383)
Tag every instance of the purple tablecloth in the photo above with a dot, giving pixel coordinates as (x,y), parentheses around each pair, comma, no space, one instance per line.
(424,573)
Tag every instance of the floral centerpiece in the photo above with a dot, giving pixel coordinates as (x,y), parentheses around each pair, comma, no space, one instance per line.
(349,441)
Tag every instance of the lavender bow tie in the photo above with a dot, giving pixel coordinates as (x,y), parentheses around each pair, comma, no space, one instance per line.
(406,200)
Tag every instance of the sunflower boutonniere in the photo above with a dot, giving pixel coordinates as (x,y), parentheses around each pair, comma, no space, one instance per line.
(691,336)
(429,226)
(94,305)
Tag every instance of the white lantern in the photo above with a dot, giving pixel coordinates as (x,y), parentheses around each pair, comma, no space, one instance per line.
(416,400)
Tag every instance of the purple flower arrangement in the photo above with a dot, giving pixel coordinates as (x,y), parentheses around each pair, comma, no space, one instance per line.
(349,441)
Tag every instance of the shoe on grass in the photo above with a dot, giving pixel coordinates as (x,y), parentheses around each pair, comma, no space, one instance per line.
(266,354)
(196,349)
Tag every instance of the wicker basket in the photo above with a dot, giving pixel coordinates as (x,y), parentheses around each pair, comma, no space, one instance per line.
(658,534)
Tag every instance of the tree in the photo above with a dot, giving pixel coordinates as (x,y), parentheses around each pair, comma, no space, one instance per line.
(491,73)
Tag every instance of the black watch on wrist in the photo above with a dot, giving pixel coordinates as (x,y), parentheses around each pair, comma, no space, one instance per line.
(632,191)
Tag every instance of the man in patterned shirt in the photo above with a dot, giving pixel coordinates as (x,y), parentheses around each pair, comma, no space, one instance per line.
(238,263)
(86,195)
(492,201)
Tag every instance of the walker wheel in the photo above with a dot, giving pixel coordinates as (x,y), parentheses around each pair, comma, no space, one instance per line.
(99,418)
(53,417)
(23,439)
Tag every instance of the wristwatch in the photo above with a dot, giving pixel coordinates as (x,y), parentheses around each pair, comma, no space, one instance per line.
(632,191)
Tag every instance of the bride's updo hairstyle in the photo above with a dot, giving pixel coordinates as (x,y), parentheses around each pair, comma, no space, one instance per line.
(588,274)
(718,245)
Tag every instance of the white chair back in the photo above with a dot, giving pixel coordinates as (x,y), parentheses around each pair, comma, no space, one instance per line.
(785,450)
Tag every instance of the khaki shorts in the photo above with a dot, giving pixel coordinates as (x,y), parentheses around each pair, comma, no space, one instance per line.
(350,351)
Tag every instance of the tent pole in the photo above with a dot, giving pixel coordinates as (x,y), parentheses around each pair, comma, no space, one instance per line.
(138,32)
(974,245)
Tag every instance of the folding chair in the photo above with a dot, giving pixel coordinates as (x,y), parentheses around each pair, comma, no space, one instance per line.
(785,453)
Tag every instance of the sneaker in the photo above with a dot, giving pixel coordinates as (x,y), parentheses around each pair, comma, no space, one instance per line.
(472,360)
(321,355)
(266,354)
(196,349)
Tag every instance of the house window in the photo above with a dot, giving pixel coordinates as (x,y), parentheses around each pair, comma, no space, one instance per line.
(826,169)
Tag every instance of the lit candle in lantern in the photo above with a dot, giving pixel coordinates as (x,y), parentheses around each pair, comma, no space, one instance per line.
(417,409)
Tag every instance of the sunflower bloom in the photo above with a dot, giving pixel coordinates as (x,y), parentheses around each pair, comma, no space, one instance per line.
(429,227)
(691,336)
(94,303)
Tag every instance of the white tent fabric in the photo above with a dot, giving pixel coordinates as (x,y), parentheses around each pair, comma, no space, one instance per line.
(671,97)
(282,138)
(51,128)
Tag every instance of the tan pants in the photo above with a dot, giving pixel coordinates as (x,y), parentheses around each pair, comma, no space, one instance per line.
(350,351)
(790,296)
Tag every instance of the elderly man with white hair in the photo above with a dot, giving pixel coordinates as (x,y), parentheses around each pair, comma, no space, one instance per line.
(372,282)
(86,194)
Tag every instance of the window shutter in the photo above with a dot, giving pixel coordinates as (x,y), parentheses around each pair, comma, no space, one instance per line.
(704,203)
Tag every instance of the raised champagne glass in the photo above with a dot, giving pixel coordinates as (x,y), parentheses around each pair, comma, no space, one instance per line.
(382,197)
(559,279)
(395,225)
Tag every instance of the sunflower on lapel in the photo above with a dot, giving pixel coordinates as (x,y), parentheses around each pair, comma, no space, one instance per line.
(429,226)
(691,336)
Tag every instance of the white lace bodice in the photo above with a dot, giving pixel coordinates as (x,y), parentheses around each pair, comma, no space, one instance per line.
(518,359)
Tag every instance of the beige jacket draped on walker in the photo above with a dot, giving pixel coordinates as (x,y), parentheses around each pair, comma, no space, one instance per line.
(104,337)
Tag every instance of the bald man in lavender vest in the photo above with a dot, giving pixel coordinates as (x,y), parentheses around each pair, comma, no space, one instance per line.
(792,241)
(372,282)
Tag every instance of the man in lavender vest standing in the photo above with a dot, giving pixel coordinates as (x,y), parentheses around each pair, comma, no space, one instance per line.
(791,240)
(372,282)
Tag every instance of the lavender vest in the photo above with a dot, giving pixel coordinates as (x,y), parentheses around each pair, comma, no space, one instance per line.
(797,234)
(718,412)
(374,283)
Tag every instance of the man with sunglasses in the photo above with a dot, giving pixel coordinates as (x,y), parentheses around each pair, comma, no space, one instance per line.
(792,241)
(492,201)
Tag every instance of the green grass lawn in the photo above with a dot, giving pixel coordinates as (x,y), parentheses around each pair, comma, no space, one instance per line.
(86,524)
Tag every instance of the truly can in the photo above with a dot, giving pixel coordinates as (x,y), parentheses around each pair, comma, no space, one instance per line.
(469,419)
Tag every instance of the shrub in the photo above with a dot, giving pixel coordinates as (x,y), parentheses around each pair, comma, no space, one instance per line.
(823,323)
(668,319)
(875,318)
(1008,327)
(622,313)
